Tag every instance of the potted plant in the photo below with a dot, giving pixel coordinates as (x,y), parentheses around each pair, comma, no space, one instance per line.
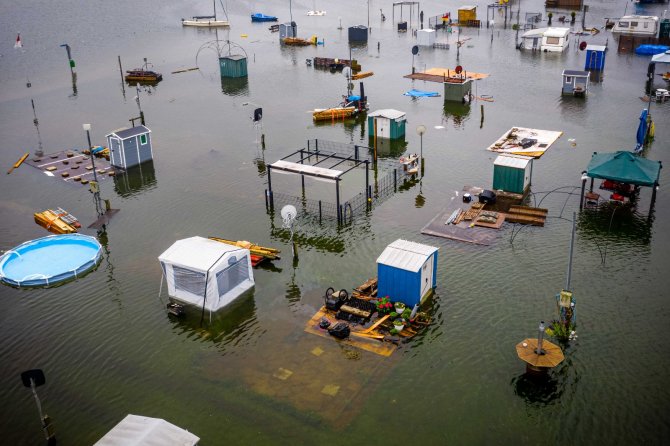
(549,16)
(384,305)
(572,17)
(399,307)
(399,324)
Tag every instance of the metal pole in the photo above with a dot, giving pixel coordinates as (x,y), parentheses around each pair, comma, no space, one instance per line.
(572,246)
(421,158)
(90,149)
(540,334)
(272,204)
(367,179)
(581,196)
(337,199)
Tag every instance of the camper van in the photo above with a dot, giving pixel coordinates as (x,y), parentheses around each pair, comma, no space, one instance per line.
(555,39)
(637,25)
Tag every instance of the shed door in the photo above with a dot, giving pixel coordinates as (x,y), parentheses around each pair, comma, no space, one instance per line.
(426,276)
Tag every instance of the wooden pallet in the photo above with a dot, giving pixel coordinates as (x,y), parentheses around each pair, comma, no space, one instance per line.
(473,212)
(366,291)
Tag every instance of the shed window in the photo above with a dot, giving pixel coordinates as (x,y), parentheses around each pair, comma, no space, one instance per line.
(568,79)
(553,40)
(143,139)
(189,281)
(235,273)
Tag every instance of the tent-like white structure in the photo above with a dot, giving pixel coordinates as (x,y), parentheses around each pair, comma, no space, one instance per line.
(206,273)
(135,430)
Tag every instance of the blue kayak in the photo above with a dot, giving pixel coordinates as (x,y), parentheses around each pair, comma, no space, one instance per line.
(258,17)
(421,94)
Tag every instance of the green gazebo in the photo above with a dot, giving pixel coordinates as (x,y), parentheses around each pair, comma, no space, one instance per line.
(623,167)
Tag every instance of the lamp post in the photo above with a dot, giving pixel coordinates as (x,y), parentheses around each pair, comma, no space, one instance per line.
(94,188)
(421,129)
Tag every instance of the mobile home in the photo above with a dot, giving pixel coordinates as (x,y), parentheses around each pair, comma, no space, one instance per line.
(555,39)
(637,25)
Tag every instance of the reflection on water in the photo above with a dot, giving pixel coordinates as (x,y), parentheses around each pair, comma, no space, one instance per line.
(229,326)
(136,180)
(459,113)
(388,148)
(235,86)
(573,108)
(537,389)
(621,223)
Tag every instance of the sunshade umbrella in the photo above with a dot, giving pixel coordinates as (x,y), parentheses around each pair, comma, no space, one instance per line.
(552,356)
(641,130)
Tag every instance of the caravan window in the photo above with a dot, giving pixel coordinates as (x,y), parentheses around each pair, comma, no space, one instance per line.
(189,281)
(235,273)
(553,40)
(633,24)
(646,24)
(623,24)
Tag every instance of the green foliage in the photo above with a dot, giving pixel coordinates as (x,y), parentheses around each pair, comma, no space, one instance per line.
(560,331)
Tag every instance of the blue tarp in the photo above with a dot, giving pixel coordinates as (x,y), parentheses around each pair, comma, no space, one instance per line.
(650,50)
(421,94)
(353,98)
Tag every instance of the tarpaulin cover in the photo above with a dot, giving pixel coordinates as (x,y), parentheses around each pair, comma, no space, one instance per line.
(624,167)
(647,50)
(421,94)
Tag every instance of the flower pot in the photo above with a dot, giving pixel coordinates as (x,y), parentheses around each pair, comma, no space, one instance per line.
(399,308)
(398,327)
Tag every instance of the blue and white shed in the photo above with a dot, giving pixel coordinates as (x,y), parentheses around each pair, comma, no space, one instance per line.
(406,272)
(595,57)
(130,147)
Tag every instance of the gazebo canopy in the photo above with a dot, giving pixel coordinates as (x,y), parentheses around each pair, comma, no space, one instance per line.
(624,167)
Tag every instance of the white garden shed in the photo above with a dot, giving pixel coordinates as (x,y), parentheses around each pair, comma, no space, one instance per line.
(206,273)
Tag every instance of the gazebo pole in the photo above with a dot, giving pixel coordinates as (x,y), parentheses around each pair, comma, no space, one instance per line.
(591,187)
(367,180)
(581,196)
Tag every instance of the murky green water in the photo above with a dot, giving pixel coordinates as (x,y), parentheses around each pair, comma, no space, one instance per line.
(108,348)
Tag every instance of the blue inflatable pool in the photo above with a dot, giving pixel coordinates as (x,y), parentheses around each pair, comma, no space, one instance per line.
(49,260)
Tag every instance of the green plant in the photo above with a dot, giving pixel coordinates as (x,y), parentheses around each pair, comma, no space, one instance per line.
(399,322)
(384,305)
(407,312)
(560,331)
(393,315)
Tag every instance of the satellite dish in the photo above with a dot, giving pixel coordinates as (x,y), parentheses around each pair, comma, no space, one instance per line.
(346,71)
(415,50)
(459,69)
(288,213)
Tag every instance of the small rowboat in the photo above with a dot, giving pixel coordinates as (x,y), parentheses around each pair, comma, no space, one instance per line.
(258,17)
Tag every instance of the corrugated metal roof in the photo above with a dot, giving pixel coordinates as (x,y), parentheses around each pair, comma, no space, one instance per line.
(519,162)
(129,133)
(388,113)
(596,47)
(135,430)
(406,255)
(577,73)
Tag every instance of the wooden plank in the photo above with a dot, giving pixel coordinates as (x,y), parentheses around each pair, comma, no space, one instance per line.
(356,311)
(525,219)
(527,210)
(376,324)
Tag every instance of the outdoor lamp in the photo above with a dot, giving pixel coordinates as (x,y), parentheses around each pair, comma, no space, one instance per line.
(539,338)
(420,130)
(87,127)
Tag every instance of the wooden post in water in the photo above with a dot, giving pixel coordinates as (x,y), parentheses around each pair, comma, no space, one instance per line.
(481,124)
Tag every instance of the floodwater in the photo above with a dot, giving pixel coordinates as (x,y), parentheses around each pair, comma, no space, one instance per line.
(250,375)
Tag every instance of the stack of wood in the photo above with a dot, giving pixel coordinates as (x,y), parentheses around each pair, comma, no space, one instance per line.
(526,215)
(366,291)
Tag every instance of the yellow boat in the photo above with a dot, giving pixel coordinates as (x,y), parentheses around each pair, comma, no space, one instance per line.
(328,114)
(362,75)
(268,253)
(52,222)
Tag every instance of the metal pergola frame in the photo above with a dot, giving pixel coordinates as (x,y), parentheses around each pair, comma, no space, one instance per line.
(411,7)
(306,157)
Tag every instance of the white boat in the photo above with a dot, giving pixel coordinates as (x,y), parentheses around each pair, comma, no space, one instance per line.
(209,21)
(636,25)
